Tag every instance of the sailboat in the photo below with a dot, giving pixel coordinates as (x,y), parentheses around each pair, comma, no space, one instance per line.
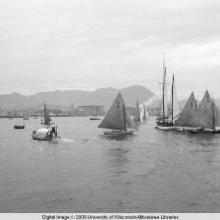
(47,133)
(117,119)
(202,118)
(46,120)
(167,118)
(137,116)
(168,122)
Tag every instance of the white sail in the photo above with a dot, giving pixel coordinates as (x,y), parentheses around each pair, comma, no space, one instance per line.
(144,115)
(117,117)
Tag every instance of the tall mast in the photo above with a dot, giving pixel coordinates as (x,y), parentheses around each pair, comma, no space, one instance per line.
(45,110)
(144,116)
(172,98)
(213,114)
(125,126)
(163,87)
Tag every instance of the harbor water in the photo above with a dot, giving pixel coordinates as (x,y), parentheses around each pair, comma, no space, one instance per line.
(152,171)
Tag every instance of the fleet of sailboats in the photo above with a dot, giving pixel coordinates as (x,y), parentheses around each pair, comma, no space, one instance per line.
(202,118)
(195,118)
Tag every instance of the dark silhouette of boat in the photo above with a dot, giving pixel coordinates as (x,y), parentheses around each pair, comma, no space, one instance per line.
(94,119)
(19,126)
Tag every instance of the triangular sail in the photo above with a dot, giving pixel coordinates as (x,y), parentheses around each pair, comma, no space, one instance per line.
(117,117)
(187,115)
(164,101)
(47,118)
(174,102)
(206,101)
(206,116)
(137,117)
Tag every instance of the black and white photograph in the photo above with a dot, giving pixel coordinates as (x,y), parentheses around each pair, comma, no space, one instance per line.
(110,106)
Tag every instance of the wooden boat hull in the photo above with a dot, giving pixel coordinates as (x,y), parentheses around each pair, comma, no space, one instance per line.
(167,128)
(192,130)
(205,131)
(118,133)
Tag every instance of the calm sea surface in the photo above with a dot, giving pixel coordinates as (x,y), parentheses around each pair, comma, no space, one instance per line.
(153,171)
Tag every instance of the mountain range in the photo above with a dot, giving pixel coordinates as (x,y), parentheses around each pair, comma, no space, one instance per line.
(64,99)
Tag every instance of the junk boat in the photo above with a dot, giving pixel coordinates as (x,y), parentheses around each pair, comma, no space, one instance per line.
(45,134)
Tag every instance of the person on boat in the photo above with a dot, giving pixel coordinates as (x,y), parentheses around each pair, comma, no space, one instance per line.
(53,132)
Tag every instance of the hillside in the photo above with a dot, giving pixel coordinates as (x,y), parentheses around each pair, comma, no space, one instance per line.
(64,99)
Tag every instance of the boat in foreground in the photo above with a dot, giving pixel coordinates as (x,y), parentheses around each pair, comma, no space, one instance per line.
(117,120)
(45,134)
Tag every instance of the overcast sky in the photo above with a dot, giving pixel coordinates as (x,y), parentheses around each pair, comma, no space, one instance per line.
(79,44)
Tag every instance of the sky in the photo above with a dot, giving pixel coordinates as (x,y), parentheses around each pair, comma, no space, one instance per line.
(89,44)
